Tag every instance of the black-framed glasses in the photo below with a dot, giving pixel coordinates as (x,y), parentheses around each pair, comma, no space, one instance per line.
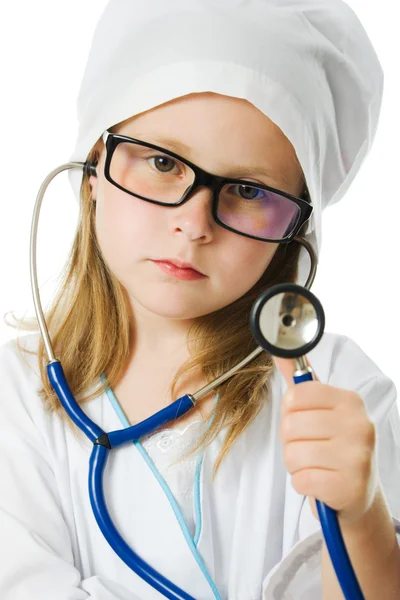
(162,177)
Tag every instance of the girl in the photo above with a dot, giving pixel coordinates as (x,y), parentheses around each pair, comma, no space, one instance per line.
(282,100)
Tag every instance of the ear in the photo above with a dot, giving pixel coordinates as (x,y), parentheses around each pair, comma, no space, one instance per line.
(93,184)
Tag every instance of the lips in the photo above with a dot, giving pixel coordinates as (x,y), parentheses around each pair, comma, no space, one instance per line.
(179,264)
(172,267)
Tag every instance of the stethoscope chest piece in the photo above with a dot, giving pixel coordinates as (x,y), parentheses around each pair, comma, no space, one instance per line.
(287,320)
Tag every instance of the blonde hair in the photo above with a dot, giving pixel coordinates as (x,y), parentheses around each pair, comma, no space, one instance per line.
(90,328)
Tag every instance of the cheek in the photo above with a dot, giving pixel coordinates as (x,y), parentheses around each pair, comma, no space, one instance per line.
(246,261)
(124,225)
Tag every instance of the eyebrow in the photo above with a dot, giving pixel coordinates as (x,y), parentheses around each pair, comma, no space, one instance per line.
(181,148)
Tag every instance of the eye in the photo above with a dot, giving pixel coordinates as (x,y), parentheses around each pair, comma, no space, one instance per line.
(162,164)
(250,193)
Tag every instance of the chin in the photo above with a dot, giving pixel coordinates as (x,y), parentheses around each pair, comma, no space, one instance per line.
(170,308)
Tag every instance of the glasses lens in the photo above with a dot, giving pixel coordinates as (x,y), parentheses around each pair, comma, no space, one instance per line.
(257,212)
(150,173)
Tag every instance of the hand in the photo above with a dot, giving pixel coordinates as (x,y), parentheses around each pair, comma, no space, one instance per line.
(328,445)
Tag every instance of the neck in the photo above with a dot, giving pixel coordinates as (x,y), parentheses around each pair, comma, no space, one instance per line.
(159,336)
(159,348)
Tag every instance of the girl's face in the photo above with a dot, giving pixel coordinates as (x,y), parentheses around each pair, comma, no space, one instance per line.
(223,135)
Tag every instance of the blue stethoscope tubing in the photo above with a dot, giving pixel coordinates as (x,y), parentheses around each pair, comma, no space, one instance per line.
(334,538)
(102,444)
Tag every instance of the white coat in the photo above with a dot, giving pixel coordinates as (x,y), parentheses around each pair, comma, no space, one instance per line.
(256,535)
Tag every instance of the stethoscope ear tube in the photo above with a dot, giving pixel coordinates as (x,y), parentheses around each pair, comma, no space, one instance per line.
(57,379)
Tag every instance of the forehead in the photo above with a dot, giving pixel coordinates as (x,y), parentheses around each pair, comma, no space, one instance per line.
(205,116)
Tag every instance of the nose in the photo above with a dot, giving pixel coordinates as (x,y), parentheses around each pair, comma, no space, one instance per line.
(194,217)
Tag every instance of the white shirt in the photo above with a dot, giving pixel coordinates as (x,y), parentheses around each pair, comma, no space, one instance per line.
(165,448)
(253,536)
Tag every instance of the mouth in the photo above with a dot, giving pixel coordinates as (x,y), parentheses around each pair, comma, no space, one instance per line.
(179,269)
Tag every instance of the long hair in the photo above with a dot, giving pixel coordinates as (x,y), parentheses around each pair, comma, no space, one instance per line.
(90,328)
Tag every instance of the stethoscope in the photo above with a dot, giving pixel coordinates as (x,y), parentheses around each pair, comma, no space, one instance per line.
(287,321)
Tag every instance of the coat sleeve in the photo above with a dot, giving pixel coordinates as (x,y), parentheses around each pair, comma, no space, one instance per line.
(298,575)
(36,555)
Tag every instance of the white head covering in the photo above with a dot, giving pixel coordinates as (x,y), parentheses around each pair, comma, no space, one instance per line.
(307,64)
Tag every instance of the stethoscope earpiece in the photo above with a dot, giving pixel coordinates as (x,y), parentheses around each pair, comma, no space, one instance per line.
(89,169)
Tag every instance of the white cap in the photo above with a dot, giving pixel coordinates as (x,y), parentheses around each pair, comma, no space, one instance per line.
(306,64)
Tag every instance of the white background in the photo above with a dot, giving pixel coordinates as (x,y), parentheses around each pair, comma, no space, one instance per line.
(44,47)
